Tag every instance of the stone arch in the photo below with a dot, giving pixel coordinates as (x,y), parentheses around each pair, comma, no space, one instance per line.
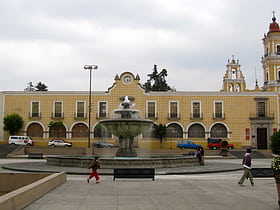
(101,132)
(149,132)
(219,130)
(58,133)
(237,87)
(230,87)
(278,49)
(35,129)
(174,130)
(79,130)
(267,76)
(196,130)
(234,74)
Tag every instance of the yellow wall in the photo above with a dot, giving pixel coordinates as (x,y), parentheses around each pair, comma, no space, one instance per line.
(238,108)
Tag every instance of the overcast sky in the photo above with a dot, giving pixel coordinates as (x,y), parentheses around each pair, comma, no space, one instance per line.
(51,40)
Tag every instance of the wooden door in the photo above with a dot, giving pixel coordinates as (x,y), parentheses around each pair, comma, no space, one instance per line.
(262,138)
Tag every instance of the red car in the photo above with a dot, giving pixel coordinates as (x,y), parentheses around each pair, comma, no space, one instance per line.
(217,143)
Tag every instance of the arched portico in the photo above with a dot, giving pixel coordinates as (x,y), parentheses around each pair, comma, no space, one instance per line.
(219,130)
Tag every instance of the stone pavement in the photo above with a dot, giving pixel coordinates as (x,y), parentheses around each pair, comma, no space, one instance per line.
(217,191)
(166,193)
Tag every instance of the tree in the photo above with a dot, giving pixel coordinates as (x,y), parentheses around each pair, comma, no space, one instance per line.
(157,81)
(29,87)
(275,143)
(41,87)
(56,128)
(13,123)
(160,131)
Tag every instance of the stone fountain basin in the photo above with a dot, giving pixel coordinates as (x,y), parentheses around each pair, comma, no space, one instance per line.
(126,127)
(138,162)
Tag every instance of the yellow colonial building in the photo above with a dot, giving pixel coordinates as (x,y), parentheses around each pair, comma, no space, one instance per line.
(245,118)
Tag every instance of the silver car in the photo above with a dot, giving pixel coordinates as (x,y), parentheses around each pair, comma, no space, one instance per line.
(102,144)
(59,143)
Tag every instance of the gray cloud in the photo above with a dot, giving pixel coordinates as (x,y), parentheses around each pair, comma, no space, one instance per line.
(50,41)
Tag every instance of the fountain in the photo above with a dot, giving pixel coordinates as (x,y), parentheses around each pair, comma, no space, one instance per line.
(126,125)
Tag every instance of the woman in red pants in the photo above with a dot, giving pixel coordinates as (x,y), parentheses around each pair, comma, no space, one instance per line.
(94,166)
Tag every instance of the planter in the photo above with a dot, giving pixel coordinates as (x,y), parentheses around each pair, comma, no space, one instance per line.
(275,165)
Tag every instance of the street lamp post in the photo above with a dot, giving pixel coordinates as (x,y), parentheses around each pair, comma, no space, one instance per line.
(89,67)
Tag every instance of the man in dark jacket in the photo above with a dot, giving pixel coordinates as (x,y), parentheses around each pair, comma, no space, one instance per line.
(246,163)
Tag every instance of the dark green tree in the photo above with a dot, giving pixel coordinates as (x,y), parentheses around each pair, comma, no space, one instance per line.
(160,131)
(41,87)
(275,143)
(157,81)
(56,128)
(13,123)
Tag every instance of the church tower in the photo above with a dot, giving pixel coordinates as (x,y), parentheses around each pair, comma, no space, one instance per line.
(233,80)
(271,59)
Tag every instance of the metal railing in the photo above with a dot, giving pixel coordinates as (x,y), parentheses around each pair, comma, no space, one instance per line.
(34,114)
(196,115)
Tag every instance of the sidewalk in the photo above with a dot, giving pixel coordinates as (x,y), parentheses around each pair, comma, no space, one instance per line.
(217,191)
(179,192)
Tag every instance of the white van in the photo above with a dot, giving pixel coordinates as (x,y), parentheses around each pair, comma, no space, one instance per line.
(20,140)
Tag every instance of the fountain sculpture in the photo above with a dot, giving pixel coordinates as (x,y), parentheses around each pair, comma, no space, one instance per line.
(126,125)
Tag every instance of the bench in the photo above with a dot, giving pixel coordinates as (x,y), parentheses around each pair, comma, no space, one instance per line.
(134,173)
(262,172)
(35,155)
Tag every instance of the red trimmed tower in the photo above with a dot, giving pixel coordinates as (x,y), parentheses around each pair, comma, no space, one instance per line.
(271,59)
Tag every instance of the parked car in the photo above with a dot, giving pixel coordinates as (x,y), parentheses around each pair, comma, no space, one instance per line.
(217,143)
(20,140)
(102,144)
(59,143)
(187,144)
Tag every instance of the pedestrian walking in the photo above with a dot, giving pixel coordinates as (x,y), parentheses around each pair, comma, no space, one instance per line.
(95,165)
(200,154)
(246,163)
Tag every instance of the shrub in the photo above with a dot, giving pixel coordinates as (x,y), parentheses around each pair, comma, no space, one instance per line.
(13,123)
(275,143)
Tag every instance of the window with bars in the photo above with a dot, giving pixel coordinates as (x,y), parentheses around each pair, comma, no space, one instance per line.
(80,109)
(173,111)
(196,109)
(102,109)
(57,109)
(218,109)
(196,131)
(261,109)
(218,131)
(35,109)
(174,131)
(151,106)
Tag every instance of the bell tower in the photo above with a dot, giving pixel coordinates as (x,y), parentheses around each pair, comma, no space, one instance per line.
(233,80)
(271,58)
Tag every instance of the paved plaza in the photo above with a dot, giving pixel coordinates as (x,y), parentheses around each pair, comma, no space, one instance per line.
(184,191)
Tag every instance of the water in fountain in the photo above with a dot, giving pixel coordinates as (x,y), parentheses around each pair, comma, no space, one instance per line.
(126,125)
